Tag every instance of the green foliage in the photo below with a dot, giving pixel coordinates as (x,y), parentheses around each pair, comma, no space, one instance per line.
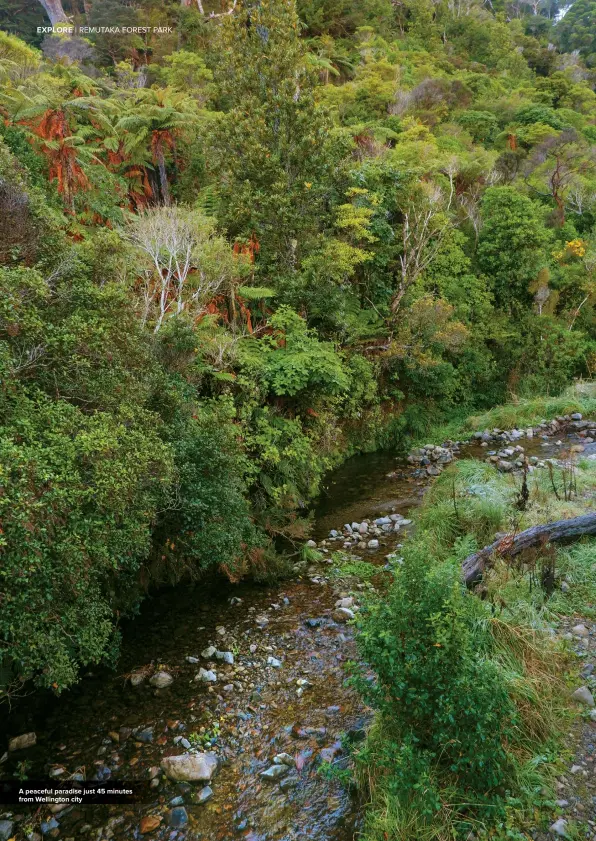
(530,412)
(577,566)
(450,715)
(482,125)
(270,149)
(285,467)
(211,523)
(576,31)
(512,244)
(385,215)
(292,361)
(467,693)
(79,498)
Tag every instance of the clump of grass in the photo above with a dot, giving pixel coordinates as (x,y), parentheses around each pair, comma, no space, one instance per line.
(387,816)
(530,661)
(347,568)
(470,497)
(577,566)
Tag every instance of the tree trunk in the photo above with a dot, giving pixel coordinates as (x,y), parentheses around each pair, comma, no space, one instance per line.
(560,531)
(54,11)
(163,178)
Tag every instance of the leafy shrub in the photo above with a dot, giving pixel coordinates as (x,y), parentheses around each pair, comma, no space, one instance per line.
(293,360)
(79,496)
(439,695)
(210,526)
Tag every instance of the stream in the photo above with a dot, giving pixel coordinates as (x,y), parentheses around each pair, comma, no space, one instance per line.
(284,693)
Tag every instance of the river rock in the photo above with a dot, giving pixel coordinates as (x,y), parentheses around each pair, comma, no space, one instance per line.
(177,817)
(161,679)
(288,782)
(273,661)
(47,826)
(6,830)
(202,796)
(276,772)
(347,602)
(373,544)
(328,754)
(284,759)
(584,696)
(363,528)
(149,823)
(225,656)
(342,614)
(137,678)
(145,735)
(315,623)
(559,828)
(192,660)
(102,773)
(190,767)
(27,740)
(310,544)
(206,676)
(580,631)
(208,652)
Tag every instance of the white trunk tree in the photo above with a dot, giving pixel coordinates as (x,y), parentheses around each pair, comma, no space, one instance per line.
(424,225)
(186,265)
(54,11)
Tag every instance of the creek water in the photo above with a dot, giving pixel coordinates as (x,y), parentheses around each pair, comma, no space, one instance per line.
(263,710)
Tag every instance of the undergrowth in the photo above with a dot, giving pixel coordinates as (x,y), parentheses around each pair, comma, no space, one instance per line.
(469,693)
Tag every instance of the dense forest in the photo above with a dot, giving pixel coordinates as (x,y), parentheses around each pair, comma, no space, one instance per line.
(234,253)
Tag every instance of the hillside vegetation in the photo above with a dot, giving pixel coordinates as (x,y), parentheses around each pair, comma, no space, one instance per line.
(233,255)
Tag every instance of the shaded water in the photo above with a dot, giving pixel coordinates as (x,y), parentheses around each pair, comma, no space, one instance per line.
(262,711)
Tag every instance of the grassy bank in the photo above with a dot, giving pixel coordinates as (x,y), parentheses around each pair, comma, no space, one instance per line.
(469,693)
(519,414)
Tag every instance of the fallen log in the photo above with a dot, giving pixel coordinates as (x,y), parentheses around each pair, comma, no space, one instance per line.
(511,545)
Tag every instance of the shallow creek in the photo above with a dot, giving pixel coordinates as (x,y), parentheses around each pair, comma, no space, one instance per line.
(264,710)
